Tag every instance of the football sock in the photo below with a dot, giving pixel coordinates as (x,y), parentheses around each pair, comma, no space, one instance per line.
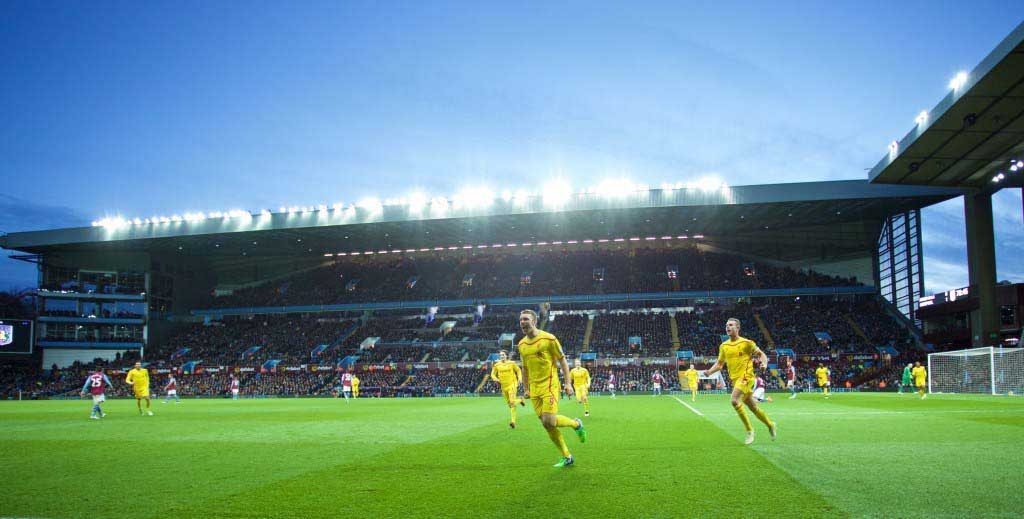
(564,421)
(743,416)
(761,415)
(559,441)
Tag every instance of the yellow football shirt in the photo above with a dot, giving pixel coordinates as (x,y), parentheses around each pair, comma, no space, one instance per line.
(506,373)
(580,377)
(822,374)
(138,378)
(691,377)
(355,381)
(737,356)
(540,355)
(920,375)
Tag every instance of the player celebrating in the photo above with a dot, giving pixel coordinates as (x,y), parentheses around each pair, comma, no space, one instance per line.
(507,374)
(691,381)
(172,390)
(920,379)
(96,384)
(823,374)
(611,383)
(905,381)
(234,386)
(791,378)
(541,352)
(346,384)
(656,381)
(581,383)
(138,378)
(738,354)
(355,386)
(759,391)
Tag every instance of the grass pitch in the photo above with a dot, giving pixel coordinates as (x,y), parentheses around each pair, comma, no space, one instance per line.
(854,455)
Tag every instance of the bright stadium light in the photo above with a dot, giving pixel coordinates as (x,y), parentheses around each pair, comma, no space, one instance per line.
(373,205)
(921,118)
(417,201)
(473,198)
(175,218)
(958,81)
(337,206)
(557,193)
(264,212)
(614,188)
(894,147)
(506,195)
(137,221)
(708,184)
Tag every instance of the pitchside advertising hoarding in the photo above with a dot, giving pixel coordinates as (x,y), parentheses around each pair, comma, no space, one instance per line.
(16,336)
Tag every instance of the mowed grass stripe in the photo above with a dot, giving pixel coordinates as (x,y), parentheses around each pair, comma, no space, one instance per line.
(188,452)
(644,459)
(896,456)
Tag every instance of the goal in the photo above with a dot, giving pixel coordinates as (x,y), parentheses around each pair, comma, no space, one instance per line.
(978,370)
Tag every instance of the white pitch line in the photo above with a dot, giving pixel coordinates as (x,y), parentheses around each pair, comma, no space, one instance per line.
(688,406)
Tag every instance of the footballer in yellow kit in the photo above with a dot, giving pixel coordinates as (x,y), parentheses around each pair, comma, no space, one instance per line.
(822,374)
(507,374)
(581,383)
(920,375)
(737,354)
(691,381)
(355,386)
(138,378)
(542,357)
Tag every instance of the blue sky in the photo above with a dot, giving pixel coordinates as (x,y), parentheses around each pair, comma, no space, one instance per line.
(117,108)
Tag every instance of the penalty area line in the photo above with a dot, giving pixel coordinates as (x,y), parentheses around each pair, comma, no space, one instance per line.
(688,406)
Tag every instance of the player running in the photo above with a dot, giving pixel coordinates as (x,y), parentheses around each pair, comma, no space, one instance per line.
(355,386)
(738,354)
(791,378)
(581,383)
(823,374)
(656,381)
(96,384)
(906,381)
(691,376)
(508,375)
(920,379)
(138,378)
(234,386)
(346,384)
(611,383)
(172,390)
(541,353)
(759,388)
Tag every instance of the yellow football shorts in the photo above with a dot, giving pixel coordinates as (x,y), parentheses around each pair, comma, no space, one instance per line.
(547,403)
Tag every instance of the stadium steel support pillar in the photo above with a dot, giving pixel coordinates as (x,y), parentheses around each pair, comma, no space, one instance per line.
(981,265)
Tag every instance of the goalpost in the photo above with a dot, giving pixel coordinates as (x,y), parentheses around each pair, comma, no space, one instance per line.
(977,370)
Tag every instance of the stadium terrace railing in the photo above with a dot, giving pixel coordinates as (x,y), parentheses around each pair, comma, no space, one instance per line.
(534,300)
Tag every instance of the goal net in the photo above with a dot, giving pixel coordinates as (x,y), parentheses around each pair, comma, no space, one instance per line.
(977,370)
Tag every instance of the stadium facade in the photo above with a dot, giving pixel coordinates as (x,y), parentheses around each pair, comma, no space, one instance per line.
(125,283)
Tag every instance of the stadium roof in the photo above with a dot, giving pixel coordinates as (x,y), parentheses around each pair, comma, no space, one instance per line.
(973,134)
(781,221)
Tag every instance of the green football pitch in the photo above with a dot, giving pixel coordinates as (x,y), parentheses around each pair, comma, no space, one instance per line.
(854,455)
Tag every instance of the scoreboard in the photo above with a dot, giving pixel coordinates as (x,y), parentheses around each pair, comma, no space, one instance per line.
(16,336)
(945,297)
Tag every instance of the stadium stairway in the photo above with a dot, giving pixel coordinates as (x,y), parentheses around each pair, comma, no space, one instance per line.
(764,330)
(407,380)
(352,328)
(425,357)
(907,324)
(856,328)
(480,386)
(674,329)
(587,333)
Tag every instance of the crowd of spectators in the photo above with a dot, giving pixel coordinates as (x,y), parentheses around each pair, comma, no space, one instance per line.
(477,275)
